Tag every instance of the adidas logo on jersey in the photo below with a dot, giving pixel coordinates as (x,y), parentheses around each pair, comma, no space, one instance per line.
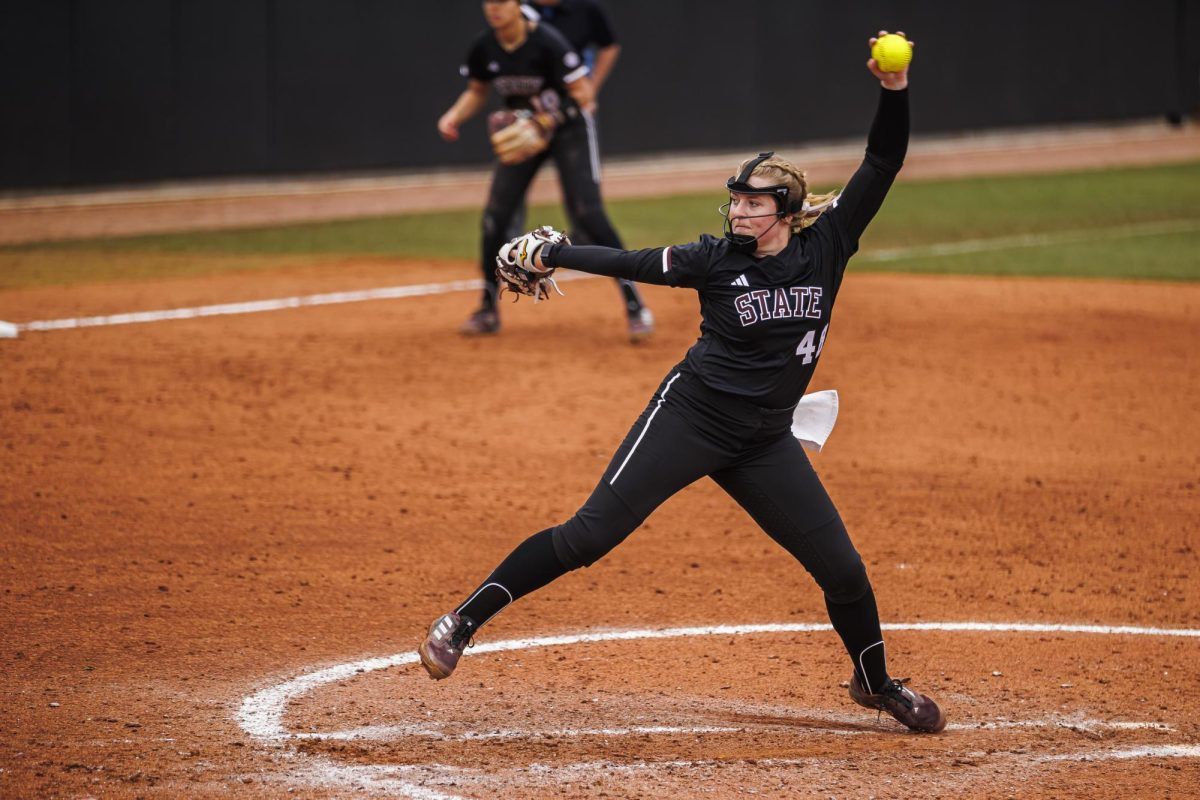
(740,280)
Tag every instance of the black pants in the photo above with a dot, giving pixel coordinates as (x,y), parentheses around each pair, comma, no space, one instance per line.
(689,431)
(575,155)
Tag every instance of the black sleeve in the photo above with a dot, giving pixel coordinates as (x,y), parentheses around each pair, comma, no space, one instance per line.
(600,31)
(565,65)
(887,145)
(475,66)
(642,266)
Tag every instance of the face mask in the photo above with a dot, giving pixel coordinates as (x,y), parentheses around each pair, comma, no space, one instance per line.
(742,242)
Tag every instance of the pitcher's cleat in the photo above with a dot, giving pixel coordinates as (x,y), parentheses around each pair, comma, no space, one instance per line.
(641,325)
(917,711)
(448,636)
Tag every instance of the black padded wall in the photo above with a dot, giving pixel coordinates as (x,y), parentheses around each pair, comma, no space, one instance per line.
(118,91)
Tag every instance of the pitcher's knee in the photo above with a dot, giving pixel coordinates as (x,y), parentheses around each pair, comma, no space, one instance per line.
(602,524)
(843,578)
(846,583)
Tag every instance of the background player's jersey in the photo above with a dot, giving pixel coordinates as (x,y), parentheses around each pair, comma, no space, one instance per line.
(541,67)
(584,23)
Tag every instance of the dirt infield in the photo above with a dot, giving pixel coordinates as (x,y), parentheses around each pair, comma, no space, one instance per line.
(195,513)
(223,538)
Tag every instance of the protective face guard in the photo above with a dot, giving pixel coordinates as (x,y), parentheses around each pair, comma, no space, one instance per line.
(744,243)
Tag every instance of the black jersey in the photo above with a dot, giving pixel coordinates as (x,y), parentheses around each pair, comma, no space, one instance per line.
(764,321)
(541,67)
(584,23)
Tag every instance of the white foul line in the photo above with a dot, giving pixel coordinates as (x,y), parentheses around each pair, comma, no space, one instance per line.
(258,306)
(13,329)
(253,306)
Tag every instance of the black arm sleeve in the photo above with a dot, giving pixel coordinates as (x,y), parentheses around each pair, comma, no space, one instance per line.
(887,145)
(643,266)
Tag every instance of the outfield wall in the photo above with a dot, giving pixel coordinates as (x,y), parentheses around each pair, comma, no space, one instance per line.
(120,91)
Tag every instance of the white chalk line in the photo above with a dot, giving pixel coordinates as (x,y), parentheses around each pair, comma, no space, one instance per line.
(1162,751)
(385,779)
(260,306)
(14,329)
(1030,240)
(383,733)
(1167,751)
(261,714)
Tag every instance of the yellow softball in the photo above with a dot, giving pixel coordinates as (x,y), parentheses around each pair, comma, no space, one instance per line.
(892,52)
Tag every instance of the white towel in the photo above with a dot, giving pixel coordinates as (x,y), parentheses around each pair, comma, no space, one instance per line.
(814,418)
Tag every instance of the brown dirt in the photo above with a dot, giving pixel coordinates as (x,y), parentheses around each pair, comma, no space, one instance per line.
(195,511)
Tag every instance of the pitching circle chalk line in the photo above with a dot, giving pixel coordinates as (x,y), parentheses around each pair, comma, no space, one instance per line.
(261,714)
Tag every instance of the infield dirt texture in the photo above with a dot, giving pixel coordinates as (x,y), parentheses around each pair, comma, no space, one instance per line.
(197,517)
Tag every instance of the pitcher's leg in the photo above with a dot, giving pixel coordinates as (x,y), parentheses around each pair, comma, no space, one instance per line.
(802,519)
(602,523)
(783,494)
(781,491)
(660,455)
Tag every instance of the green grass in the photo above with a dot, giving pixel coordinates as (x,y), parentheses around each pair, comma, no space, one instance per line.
(1110,202)
(1120,253)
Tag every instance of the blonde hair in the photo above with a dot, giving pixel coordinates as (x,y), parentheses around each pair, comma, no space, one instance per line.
(781,171)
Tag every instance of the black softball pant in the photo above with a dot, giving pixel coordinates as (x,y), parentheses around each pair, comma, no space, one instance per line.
(576,158)
(689,431)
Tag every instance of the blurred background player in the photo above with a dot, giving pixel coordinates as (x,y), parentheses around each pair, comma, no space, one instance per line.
(767,291)
(535,70)
(588,28)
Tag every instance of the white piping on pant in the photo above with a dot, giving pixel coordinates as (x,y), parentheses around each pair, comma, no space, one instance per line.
(480,589)
(863,669)
(629,455)
(593,147)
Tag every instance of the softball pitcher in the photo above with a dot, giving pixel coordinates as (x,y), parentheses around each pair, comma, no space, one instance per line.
(767,291)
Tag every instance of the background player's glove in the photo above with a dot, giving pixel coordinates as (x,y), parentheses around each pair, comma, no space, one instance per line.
(520,135)
(517,269)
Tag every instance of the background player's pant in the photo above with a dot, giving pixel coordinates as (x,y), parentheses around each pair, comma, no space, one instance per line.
(574,153)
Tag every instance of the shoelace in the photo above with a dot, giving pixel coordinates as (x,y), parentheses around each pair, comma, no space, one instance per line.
(895,690)
(464,633)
